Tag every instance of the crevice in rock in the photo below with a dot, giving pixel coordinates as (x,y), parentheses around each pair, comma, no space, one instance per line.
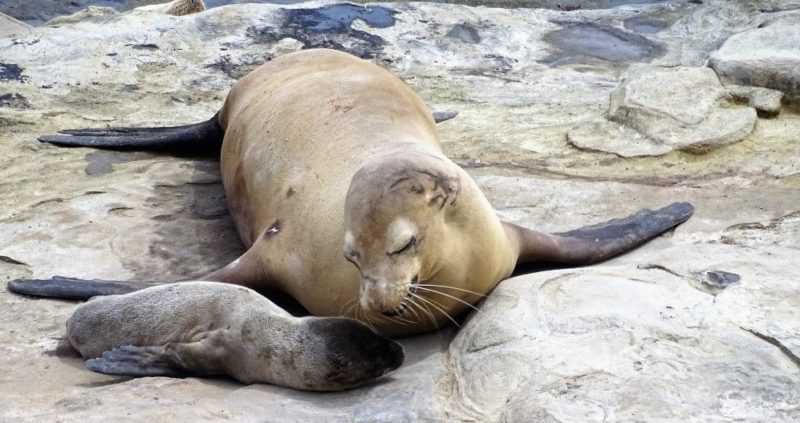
(774,341)
(771,224)
(651,266)
(9,260)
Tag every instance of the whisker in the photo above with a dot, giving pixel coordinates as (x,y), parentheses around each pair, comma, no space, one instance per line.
(455,298)
(427,313)
(450,287)
(365,318)
(431,302)
(347,307)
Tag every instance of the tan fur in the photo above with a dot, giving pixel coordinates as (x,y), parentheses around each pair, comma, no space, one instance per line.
(297,131)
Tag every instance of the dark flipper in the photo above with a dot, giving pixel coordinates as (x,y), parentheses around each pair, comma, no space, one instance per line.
(71,288)
(135,361)
(202,357)
(594,243)
(204,136)
(440,117)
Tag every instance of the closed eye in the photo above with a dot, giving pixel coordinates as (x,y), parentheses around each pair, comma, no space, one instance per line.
(411,242)
(352,256)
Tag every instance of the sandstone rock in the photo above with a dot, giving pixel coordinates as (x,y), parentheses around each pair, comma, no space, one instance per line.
(767,102)
(666,109)
(767,56)
(617,138)
(619,344)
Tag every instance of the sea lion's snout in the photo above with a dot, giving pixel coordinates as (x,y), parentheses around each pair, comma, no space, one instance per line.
(390,297)
(394,357)
(351,354)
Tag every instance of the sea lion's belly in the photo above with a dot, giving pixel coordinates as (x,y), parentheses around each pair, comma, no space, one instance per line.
(296,133)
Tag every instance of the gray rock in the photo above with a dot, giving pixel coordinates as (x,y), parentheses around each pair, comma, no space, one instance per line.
(766,101)
(767,56)
(621,344)
(665,109)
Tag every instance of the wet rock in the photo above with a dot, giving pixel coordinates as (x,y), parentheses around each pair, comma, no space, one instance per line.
(586,43)
(14,101)
(465,33)
(768,56)
(330,26)
(11,72)
(645,24)
(719,279)
(666,109)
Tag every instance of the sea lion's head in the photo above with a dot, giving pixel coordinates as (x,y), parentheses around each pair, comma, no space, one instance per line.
(341,353)
(396,215)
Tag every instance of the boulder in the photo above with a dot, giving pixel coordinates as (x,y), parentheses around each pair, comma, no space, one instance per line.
(655,110)
(767,56)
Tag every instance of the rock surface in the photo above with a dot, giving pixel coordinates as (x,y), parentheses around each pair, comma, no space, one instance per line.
(699,324)
(665,109)
(767,56)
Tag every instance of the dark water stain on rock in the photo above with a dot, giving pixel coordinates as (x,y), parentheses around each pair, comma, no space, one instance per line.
(235,70)
(207,166)
(14,101)
(102,162)
(11,72)
(583,43)
(340,17)
(465,33)
(719,279)
(330,27)
(645,24)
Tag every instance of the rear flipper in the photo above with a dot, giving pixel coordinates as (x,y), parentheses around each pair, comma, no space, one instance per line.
(174,359)
(71,288)
(198,137)
(595,243)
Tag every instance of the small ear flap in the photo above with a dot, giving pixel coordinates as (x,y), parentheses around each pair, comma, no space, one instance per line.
(445,188)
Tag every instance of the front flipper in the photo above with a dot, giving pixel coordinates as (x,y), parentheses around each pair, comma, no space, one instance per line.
(594,243)
(71,288)
(129,360)
(440,117)
(204,357)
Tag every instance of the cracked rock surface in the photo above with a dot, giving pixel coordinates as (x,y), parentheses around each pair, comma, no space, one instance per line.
(699,324)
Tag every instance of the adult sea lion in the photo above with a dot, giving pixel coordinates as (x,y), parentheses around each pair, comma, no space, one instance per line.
(337,184)
(210,328)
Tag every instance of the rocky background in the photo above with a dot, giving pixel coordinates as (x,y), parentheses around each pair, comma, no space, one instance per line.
(567,117)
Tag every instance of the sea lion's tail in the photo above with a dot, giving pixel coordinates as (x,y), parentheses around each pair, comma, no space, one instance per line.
(71,288)
(199,137)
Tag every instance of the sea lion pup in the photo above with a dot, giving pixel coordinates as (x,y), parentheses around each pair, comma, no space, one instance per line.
(176,7)
(210,328)
(337,184)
